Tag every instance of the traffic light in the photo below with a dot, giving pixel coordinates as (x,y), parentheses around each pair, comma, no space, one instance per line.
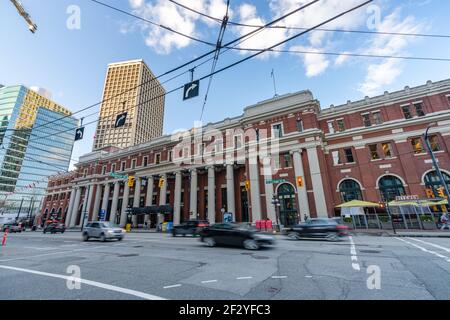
(300,182)
(247,185)
(161,182)
(430,193)
(441,192)
(131,181)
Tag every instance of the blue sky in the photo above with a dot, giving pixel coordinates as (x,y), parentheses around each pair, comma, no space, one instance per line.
(71,63)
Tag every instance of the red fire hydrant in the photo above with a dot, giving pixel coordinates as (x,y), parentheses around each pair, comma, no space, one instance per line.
(5,235)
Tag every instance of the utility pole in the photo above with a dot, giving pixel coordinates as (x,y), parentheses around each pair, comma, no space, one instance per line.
(435,163)
(20,209)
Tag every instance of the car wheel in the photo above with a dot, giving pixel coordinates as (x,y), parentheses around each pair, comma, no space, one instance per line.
(210,242)
(85,237)
(294,235)
(332,237)
(44,232)
(102,238)
(63,231)
(120,239)
(251,244)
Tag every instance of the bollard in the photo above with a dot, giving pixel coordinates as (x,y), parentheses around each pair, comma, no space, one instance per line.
(5,235)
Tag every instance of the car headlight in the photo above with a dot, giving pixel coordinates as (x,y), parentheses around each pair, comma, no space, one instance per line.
(110,231)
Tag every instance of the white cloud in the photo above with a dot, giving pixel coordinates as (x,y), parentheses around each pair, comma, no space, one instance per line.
(315,64)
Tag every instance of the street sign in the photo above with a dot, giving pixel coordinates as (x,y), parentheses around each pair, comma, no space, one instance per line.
(275,181)
(131,180)
(191,90)
(120,120)
(79,134)
(102,215)
(118,176)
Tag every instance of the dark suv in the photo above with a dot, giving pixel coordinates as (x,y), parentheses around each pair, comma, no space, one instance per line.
(329,229)
(54,228)
(192,227)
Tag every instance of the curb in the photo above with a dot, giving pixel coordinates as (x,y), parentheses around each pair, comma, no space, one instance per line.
(401,234)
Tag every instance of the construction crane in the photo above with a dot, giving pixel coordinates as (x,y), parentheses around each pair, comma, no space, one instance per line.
(31,25)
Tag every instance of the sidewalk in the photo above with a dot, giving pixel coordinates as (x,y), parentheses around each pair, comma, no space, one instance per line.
(403,233)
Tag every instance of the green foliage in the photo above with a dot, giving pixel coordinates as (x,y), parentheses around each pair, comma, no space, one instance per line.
(426,218)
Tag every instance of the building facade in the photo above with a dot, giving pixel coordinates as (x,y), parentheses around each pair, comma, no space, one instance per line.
(287,148)
(31,149)
(143,101)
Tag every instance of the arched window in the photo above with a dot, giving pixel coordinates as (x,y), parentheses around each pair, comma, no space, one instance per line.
(433,182)
(350,190)
(288,206)
(390,188)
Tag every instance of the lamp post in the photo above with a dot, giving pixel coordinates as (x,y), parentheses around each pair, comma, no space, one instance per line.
(435,163)
(276,203)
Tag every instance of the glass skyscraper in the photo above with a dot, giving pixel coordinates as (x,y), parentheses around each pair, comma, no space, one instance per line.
(31,148)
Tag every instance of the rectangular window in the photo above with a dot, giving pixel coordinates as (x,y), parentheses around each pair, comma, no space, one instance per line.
(145,161)
(336,158)
(374,152)
(417,145)
(158,158)
(287,160)
(340,125)
(407,112)
(331,127)
(419,109)
(377,118)
(276,162)
(366,120)
(300,126)
(434,143)
(122,166)
(103,170)
(237,142)
(113,168)
(133,164)
(387,150)
(349,155)
(170,156)
(277,130)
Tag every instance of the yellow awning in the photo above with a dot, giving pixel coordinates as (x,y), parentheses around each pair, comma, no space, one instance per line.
(418,203)
(357,204)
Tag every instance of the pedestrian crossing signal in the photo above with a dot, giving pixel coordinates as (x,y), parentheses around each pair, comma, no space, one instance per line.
(300,182)
(161,182)
(247,185)
(131,181)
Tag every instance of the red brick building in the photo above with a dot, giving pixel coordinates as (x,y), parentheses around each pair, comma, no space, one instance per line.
(288,147)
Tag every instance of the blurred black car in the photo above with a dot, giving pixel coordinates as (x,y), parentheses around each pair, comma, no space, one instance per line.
(54,228)
(192,227)
(329,229)
(232,234)
(12,228)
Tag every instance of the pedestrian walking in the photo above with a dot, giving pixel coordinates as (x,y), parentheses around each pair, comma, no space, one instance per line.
(444,221)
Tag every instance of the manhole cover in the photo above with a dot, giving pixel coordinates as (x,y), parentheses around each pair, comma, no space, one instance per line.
(138,246)
(128,255)
(370,251)
(273,290)
(260,257)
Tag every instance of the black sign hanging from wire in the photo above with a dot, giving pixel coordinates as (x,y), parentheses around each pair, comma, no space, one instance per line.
(79,134)
(120,120)
(191,90)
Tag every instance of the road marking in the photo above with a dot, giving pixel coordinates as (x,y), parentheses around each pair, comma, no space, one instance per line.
(354,256)
(174,286)
(425,250)
(308,276)
(37,248)
(105,286)
(49,254)
(244,278)
(279,277)
(209,281)
(431,244)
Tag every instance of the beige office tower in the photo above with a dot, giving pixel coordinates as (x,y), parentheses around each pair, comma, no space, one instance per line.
(130,87)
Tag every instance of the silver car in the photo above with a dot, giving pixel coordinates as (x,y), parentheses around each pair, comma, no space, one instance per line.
(103,231)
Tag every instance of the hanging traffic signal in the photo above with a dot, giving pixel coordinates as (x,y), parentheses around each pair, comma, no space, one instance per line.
(441,192)
(131,181)
(430,193)
(247,185)
(300,182)
(161,182)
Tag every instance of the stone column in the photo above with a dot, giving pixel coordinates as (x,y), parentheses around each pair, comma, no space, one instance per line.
(87,204)
(149,198)
(268,174)
(98,194)
(106,198)
(137,199)
(70,208)
(162,198)
(193,200)
(211,195)
(177,198)
(115,200)
(230,191)
(76,204)
(302,192)
(255,194)
(317,184)
(123,213)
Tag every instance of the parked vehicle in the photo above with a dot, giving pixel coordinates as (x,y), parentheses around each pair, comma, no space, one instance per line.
(328,229)
(232,234)
(103,231)
(12,228)
(192,227)
(54,228)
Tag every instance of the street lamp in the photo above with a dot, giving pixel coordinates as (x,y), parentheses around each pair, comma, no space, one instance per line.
(435,163)
(277,204)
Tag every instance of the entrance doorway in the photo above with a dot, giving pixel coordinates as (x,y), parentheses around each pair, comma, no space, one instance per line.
(289,215)
(244,205)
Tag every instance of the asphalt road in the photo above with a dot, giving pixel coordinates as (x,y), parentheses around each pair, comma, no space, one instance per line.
(157,266)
